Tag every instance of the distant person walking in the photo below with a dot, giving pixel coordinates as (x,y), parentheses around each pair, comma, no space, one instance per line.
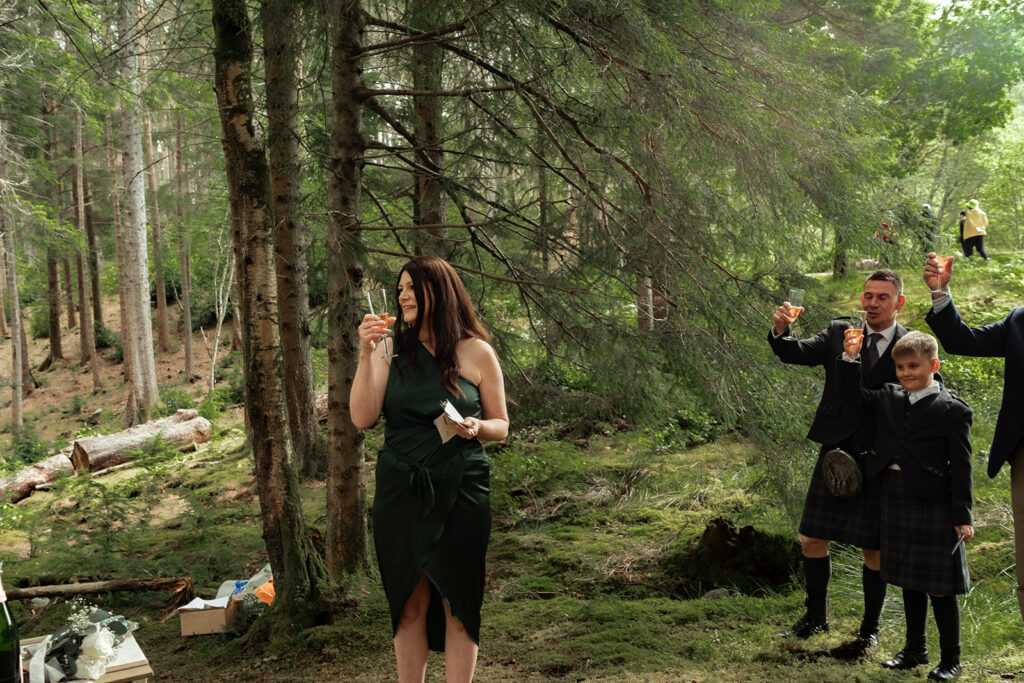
(975,229)
(929,226)
(963,217)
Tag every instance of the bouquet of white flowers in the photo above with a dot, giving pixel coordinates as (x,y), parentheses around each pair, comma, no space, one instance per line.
(82,648)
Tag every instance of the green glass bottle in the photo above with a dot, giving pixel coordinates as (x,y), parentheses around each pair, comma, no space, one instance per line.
(10,648)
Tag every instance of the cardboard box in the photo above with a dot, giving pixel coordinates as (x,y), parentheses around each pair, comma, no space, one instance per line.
(200,616)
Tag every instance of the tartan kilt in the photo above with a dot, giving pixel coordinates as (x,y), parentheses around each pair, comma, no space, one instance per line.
(856,521)
(917,539)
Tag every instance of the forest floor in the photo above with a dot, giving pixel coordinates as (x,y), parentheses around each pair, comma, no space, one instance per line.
(618,557)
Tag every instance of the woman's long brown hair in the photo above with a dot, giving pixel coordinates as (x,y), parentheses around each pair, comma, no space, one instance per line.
(452,317)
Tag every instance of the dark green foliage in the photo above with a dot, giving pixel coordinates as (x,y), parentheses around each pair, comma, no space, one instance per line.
(229,370)
(107,338)
(28,447)
(176,399)
(39,320)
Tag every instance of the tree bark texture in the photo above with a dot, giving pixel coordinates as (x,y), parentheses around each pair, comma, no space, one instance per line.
(95,453)
(346,489)
(298,571)
(17,363)
(22,483)
(427,66)
(163,334)
(180,587)
(138,343)
(94,255)
(184,260)
(84,294)
(115,201)
(69,289)
(280,47)
(52,275)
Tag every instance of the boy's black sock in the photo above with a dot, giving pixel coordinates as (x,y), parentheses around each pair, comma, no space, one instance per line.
(915,608)
(947,618)
(874,599)
(818,571)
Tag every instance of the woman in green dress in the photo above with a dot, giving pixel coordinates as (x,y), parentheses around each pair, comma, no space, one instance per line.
(431,508)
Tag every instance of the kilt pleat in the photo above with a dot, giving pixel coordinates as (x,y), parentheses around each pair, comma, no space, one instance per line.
(856,520)
(917,542)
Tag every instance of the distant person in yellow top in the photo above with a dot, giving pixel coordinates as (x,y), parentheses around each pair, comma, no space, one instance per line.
(975,228)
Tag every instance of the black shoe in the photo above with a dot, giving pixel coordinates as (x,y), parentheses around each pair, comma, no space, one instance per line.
(945,671)
(869,639)
(907,659)
(805,627)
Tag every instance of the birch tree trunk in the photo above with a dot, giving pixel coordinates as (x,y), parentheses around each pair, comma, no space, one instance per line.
(184,260)
(299,575)
(280,49)
(138,343)
(12,288)
(346,489)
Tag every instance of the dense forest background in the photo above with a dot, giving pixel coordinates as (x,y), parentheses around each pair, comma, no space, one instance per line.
(627,189)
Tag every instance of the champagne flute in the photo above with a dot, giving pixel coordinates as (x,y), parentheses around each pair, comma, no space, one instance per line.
(378,300)
(857,323)
(942,247)
(796,307)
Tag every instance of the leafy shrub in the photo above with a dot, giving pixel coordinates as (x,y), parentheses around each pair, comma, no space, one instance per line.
(105,337)
(176,399)
(39,321)
(29,447)
(229,370)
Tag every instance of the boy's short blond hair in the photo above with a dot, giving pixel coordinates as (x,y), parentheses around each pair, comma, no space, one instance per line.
(916,344)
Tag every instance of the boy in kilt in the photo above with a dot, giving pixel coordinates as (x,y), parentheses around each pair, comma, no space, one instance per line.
(841,424)
(922,454)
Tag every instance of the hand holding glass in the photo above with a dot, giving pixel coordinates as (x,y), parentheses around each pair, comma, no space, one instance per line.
(796,304)
(378,300)
(857,323)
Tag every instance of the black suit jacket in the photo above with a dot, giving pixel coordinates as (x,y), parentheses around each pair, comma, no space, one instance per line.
(1003,339)
(930,440)
(836,419)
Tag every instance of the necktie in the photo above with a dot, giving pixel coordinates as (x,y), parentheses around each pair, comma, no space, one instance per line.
(871,349)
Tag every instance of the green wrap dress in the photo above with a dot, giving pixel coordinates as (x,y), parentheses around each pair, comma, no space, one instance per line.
(431,508)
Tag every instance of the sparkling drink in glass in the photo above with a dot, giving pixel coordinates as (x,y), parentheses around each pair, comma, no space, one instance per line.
(378,300)
(857,324)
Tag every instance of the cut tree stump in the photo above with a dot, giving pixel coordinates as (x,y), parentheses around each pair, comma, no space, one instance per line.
(20,484)
(101,452)
(181,588)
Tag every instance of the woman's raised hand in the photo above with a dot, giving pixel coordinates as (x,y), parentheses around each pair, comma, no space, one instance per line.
(372,330)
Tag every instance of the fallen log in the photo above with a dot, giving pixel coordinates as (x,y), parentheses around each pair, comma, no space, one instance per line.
(181,588)
(19,485)
(102,452)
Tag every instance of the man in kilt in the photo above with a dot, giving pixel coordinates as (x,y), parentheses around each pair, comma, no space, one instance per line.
(922,450)
(840,424)
(1002,339)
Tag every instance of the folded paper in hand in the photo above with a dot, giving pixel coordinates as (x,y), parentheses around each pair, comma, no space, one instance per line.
(444,428)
